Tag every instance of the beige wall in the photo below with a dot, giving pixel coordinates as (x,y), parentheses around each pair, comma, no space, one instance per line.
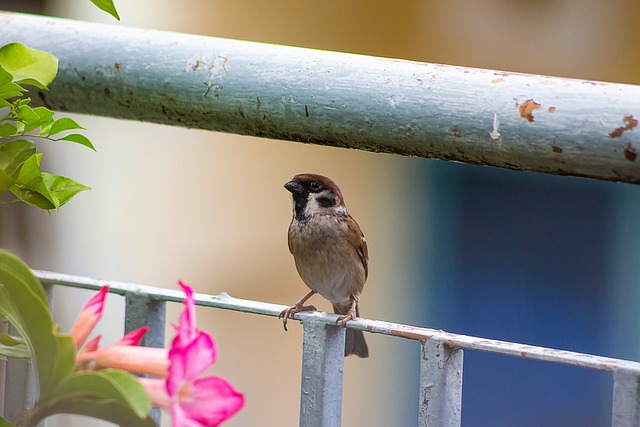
(209,208)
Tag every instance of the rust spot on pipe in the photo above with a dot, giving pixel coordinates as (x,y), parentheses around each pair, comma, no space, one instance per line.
(410,335)
(498,80)
(629,123)
(551,109)
(117,67)
(556,149)
(630,153)
(455,132)
(447,344)
(527,108)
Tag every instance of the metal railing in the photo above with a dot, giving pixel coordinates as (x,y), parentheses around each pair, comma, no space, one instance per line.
(441,355)
(489,117)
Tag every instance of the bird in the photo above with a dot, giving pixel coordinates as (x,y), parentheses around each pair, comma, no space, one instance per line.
(330,253)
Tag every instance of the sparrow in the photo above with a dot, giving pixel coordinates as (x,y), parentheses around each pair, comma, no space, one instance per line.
(330,253)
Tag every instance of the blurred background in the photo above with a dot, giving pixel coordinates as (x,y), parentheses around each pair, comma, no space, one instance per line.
(545,260)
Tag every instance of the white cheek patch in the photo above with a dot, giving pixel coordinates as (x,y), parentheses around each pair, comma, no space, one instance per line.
(313,206)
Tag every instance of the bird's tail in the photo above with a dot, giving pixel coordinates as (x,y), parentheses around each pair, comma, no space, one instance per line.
(354,341)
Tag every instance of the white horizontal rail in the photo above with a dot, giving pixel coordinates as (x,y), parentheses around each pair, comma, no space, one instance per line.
(489,117)
(225,301)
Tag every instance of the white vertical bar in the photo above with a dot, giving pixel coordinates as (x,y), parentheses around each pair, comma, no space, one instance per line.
(440,385)
(322,368)
(626,399)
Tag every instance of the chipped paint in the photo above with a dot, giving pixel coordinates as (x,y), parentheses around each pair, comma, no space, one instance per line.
(495,132)
(630,153)
(527,108)
(629,123)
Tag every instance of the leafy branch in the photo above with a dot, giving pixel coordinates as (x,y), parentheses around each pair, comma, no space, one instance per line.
(20,172)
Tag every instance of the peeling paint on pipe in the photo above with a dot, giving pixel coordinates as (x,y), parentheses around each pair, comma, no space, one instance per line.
(510,120)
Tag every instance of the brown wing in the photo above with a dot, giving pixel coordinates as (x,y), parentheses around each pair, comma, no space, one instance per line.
(360,244)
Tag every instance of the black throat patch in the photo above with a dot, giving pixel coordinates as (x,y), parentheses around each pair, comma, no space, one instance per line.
(300,205)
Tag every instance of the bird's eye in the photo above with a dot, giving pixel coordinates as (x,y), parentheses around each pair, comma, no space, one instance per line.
(315,185)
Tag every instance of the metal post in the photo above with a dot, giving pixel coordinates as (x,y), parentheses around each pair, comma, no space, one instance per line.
(322,369)
(21,386)
(141,310)
(626,399)
(440,385)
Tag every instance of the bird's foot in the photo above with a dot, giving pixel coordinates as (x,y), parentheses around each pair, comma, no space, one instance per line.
(343,319)
(289,312)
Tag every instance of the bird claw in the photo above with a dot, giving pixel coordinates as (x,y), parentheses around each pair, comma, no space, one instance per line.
(289,312)
(343,319)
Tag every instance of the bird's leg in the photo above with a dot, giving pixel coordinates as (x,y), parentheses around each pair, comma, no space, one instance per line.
(296,308)
(351,314)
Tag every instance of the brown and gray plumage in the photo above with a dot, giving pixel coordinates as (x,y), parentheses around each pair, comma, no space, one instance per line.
(330,252)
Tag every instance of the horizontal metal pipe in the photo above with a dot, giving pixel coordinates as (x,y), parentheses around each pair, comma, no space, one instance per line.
(453,341)
(510,120)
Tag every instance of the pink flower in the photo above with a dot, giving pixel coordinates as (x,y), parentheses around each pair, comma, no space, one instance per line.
(194,401)
(140,360)
(134,337)
(88,317)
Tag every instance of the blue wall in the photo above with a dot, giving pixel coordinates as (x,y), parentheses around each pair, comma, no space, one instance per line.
(527,258)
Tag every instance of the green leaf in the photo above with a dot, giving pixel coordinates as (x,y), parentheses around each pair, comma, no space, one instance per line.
(104,409)
(16,351)
(27,115)
(23,301)
(62,124)
(107,6)
(28,66)
(14,153)
(44,116)
(7,129)
(63,188)
(4,422)
(79,138)
(10,90)
(6,339)
(5,181)
(5,76)
(46,191)
(35,194)
(30,179)
(118,386)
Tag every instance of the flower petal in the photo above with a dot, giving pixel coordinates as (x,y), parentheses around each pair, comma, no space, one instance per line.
(211,401)
(141,360)
(134,337)
(180,419)
(186,327)
(88,317)
(188,363)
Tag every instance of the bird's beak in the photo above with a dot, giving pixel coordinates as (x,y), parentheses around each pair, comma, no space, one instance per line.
(294,186)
